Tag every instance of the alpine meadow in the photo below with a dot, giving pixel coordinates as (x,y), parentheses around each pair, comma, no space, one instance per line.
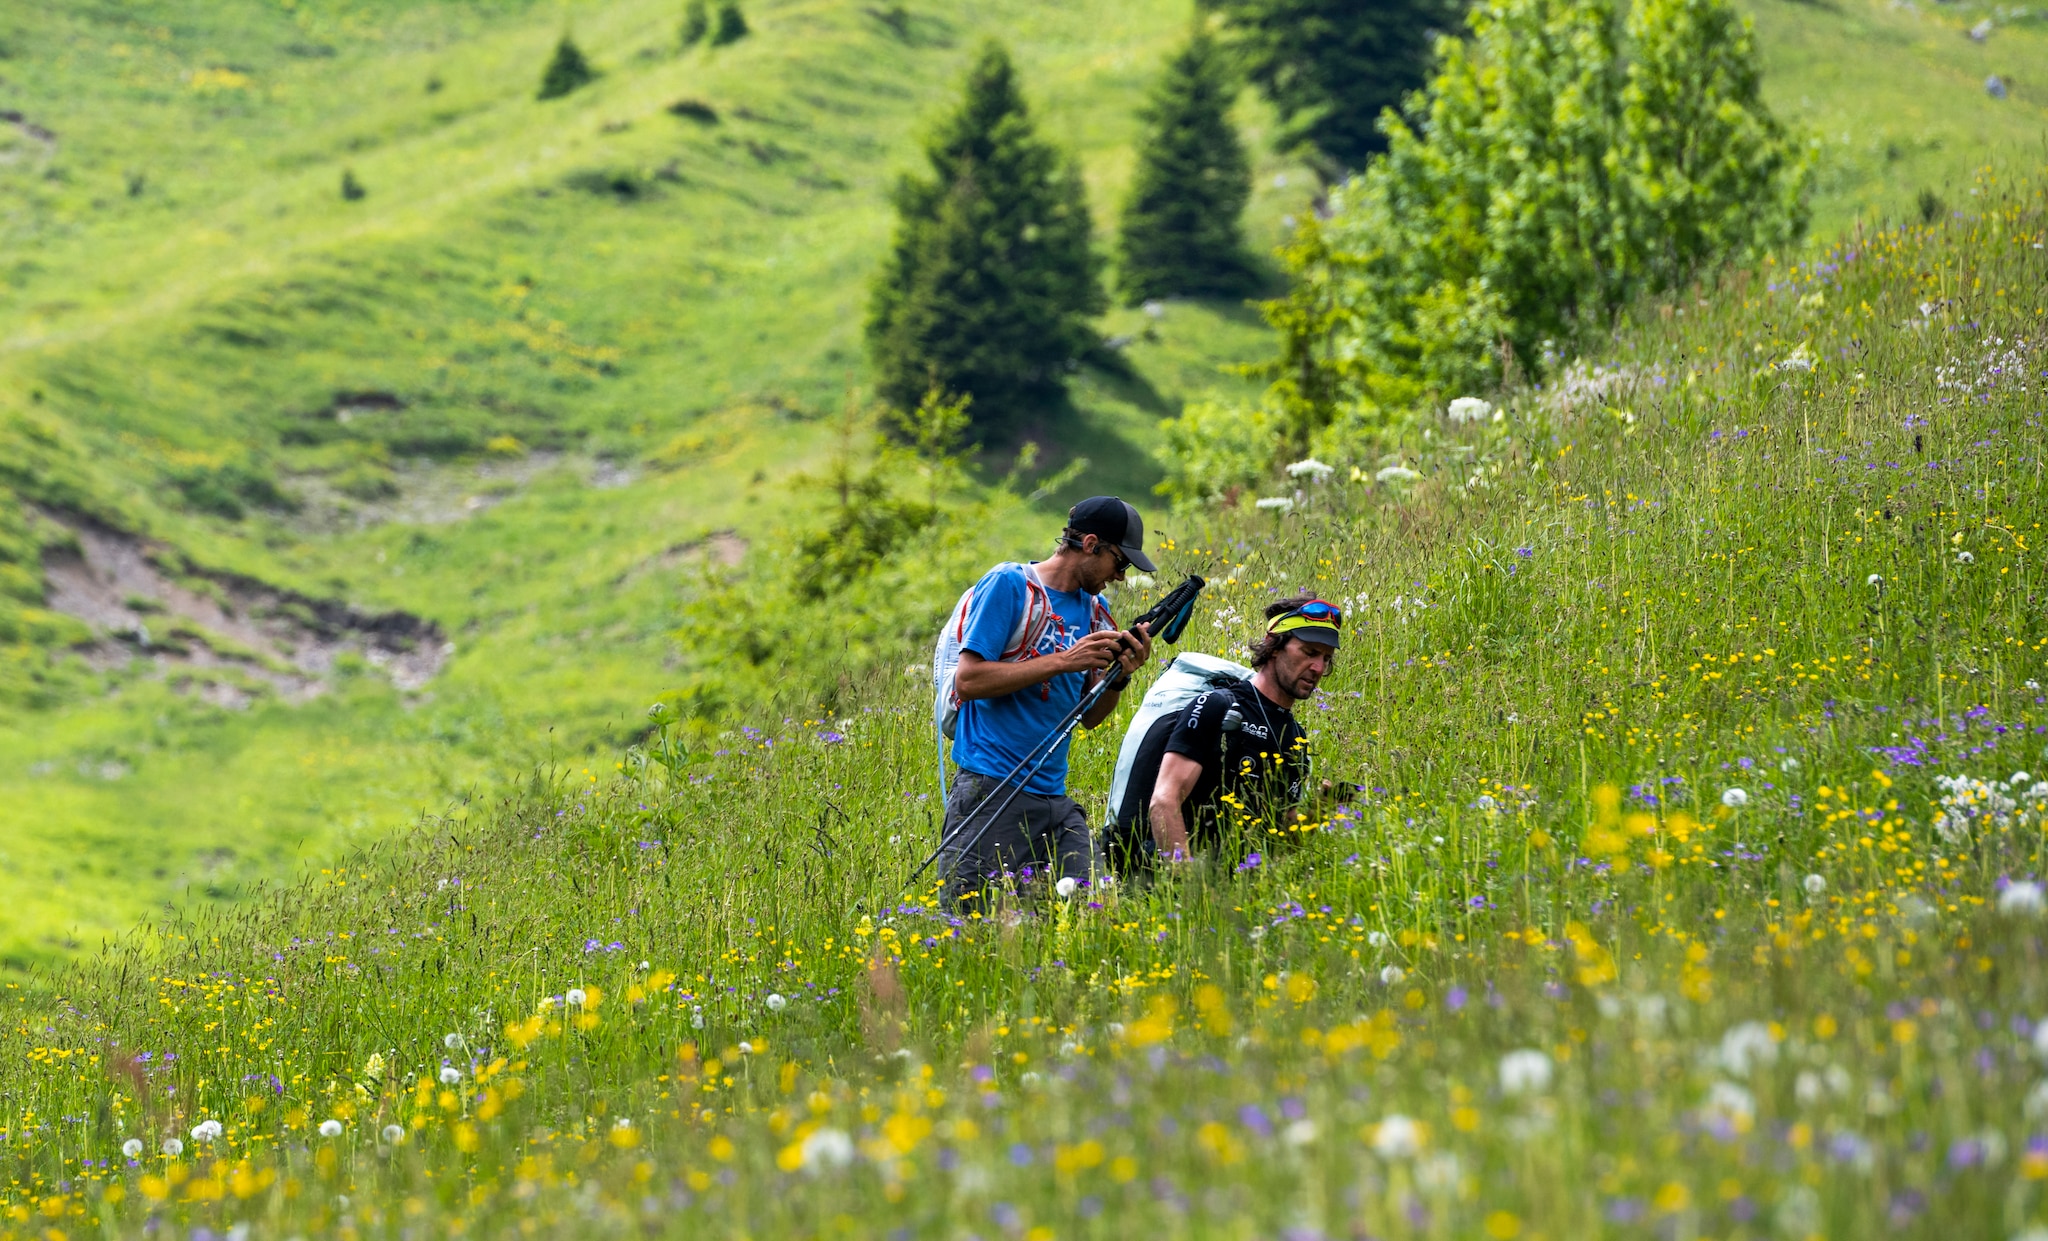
(480,482)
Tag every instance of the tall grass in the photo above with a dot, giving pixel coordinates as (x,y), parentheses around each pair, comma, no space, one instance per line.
(1651,918)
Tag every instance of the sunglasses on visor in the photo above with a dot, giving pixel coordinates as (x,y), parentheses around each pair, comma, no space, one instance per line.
(1316,611)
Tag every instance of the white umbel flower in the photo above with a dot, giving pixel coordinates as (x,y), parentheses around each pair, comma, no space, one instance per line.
(825,1150)
(1397,1137)
(1469,409)
(1527,1071)
(1281,505)
(1396,474)
(1311,469)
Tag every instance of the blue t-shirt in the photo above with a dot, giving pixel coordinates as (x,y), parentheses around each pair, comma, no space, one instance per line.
(993,734)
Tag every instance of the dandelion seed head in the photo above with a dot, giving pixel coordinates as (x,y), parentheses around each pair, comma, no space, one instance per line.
(1734,798)
(776,1002)
(330,1128)
(132,1148)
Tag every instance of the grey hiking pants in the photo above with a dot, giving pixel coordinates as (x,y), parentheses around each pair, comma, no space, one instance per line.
(1038,838)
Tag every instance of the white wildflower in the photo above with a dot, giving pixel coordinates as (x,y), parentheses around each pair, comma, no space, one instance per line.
(173,1147)
(746,1048)
(1276,504)
(1392,974)
(1300,1133)
(1067,886)
(1311,469)
(1965,558)
(1875,579)
(132,1148)
(1396,1137)
(1800,359)
(1734,799)
(1788,765)
(451,1041)
(1527,1071)
(1814,884)
(394,1134)
(2022,899)
(825,1150)
(1396,474)
(575,997)
(1807,1088)
(1106,882)
(206,1131)
(1746,1045)
(1377,939)
(776,1002)
(450,1075)
(1469,409)
(330,1128)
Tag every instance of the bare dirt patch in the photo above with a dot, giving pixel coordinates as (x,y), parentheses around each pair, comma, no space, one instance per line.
(220,636)
(724,548)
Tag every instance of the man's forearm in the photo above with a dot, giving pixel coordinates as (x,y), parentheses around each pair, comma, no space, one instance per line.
(1169,830)
(993,678)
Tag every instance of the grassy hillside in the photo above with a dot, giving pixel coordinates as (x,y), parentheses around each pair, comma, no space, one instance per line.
(1692,888)
(517,387)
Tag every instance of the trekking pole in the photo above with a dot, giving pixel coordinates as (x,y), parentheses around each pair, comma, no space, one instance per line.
(1047,744)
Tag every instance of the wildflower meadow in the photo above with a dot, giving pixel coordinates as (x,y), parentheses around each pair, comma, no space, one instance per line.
(1676,871)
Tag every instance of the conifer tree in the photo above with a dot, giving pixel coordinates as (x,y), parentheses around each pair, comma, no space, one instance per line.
(1331,66)
(567,71)
(1180,233)
(991,281)
(731,26)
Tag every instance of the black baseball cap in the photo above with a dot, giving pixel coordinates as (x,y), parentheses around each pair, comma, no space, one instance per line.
(1113,521)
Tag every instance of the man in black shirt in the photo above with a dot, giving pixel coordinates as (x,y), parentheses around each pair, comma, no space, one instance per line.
(1236,754)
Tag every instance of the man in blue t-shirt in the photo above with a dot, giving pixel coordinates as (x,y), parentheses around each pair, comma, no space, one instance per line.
(1036,639)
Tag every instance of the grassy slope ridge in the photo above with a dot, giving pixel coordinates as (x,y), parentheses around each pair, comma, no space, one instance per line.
(1648,685)
(592,276)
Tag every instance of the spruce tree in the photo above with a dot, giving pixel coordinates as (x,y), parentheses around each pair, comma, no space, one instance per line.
(567,71)
(1331,66)
(1180,233)
(990,284)
(731,26)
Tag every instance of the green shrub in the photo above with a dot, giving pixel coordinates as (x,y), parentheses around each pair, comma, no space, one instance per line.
(567,71)
(1562,162)
(1215,452)
(696,22)
(731,25)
